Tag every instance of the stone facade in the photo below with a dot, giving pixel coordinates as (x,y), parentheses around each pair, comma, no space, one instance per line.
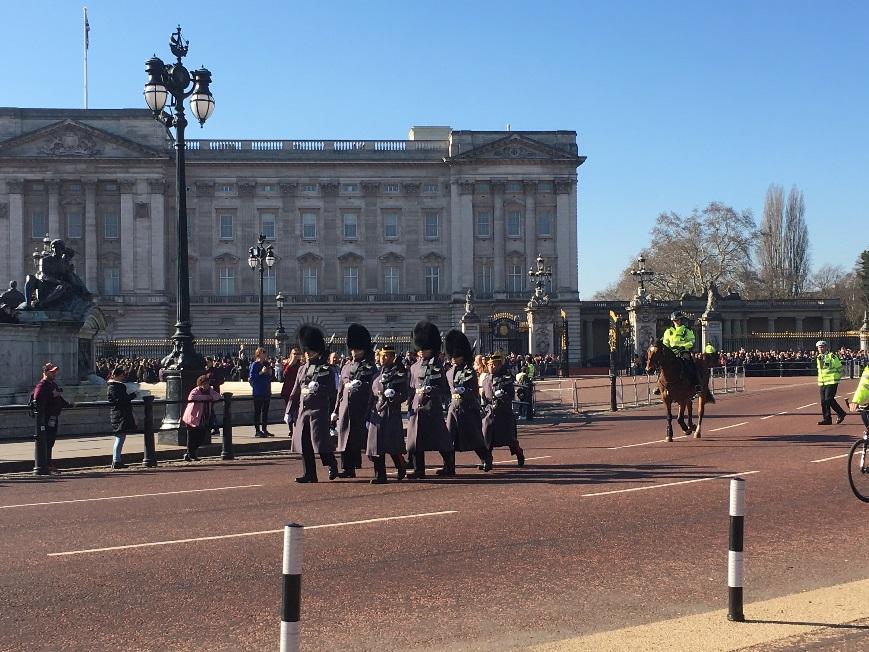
(381,232)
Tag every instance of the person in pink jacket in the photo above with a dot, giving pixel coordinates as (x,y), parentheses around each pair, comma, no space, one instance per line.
(197,415)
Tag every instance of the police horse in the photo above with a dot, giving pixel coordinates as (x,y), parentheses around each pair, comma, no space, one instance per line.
(676,387)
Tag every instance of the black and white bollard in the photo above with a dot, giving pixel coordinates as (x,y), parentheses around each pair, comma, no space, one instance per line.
(292,589)
(734,554)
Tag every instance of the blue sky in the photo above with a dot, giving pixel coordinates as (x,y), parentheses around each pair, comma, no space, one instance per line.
(675,103)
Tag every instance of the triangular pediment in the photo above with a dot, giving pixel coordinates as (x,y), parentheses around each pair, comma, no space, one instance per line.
(516,147)
(70,139)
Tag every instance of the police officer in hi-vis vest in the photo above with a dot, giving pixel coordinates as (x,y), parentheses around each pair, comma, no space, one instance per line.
(829,375)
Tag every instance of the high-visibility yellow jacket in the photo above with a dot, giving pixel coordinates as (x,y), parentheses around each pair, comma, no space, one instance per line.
(709,348)
(679,338)
(861,396)
(829,369)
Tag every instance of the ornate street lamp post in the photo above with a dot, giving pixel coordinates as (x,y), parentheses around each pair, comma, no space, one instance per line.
(539,275)
(280,334)
(261,257)
(167,86)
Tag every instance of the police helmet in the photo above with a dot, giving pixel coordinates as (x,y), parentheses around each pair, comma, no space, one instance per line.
(678,314)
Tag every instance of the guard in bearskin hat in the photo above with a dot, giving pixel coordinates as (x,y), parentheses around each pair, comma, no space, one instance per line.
(354,400)
(499,421)
(310,405)
(426,430)
(463,416)
(385,428)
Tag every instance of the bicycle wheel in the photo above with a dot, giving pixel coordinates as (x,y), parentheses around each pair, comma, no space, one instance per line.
(858,469)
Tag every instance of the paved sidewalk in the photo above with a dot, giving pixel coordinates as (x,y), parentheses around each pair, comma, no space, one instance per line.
(17,456)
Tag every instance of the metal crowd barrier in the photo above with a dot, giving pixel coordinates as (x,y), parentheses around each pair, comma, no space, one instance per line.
(727,380)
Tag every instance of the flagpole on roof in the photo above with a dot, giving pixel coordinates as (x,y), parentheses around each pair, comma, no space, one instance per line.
(87,29)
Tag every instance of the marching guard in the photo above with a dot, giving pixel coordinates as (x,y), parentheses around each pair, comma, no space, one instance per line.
(354,400)
(464,422)
(311,404)
(499,422)
(426,430)
(385,427)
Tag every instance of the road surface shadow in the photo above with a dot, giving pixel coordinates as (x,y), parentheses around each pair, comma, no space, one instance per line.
(800,438)
(807,624)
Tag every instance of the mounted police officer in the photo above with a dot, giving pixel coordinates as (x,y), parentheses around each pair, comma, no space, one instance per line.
(680,339)
(385,428)
(310,405)
(499,421)
(464,421)
(426,430)
(354,400)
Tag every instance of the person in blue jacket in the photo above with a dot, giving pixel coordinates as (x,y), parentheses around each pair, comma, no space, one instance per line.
(260,379)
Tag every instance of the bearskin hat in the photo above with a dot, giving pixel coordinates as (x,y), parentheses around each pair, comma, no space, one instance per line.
(457,345)
(311,339)
(358,337)
(427,336)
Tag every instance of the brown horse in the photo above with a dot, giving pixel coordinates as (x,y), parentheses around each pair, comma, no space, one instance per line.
(676,389)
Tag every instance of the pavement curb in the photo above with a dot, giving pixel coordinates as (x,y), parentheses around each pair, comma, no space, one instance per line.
(19,466)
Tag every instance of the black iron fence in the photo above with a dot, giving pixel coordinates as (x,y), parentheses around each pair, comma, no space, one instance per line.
(793,341)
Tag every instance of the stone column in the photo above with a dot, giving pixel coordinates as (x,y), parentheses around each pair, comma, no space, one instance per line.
(641,313)
(53,208)
(287,237)
(837,324)
(498,280)
(864,332)
(456,188)
(463,223)
(572,271)
(329,238)
(744,326)
(711,329)
(826,327)
(158,235)
(770,324)
(531,249)
(205,223)
(798,324)
(541,329)
(471,329)
(128,229)
(588,331)
(727,325)
(16,232)
(563,242)
(90,235)
(247,282)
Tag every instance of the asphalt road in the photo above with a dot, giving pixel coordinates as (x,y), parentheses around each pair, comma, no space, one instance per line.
(607,526)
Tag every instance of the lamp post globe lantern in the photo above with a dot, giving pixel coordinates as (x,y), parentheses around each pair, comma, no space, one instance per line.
(260,258)
(166,88)
(280,334)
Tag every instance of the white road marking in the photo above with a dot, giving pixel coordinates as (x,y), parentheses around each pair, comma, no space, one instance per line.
(162,493)
(735,425)
(527,459)
(827,459)
(805,406)
(246,534)
(645,443)
(668,484)
(770,416)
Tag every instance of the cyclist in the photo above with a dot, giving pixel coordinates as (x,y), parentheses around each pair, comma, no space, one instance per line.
(860,401)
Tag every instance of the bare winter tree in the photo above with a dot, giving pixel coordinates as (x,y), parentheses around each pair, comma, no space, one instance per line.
(795,240)
(783,247)
(770,253)
(687,253)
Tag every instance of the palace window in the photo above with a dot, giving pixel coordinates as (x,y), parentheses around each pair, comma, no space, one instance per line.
(390,225)
(391,279)
(111,281)
(309,280)
(391,187)
(432,225)
(226,187)
(226,280)
(514,186)
(225,226)
(309,226)
(73,226)
(351,280)
(351,226)
(515,278)
(267,225)
(484,224)
(432,279)
(270,284)
(309,187)
(430,188)
(544,224)
(544,186)
(268,188)
(38,226)
(514,224)
(484,277)
(111,226)
(350,187)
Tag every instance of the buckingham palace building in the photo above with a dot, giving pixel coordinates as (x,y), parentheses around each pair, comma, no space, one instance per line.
(383,232)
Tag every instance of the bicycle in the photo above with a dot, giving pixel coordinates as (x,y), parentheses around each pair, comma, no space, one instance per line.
(858,460)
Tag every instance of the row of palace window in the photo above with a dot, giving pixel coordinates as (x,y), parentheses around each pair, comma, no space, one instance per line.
(310,229)
(347,188)
(226,275)
(391,225)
